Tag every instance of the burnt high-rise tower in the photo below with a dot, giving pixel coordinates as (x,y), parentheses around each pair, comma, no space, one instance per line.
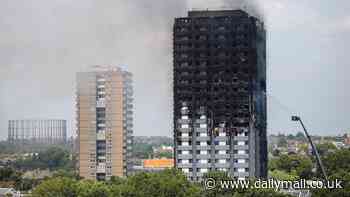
(220,94)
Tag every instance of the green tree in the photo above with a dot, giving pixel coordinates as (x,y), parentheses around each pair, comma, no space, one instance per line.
(337,162)
(56,187)
(326,148)
(170,182)
(298,165)
(66,173)
(337,167)
(54,157)
(282,175)
(217,191)
(93,189)
(9,177)
(9,174)
(26,184)
(276,152)
(300,136)
(7,148)
(168,155)
(235,192)
(282,141)
(142,151)
(290,137)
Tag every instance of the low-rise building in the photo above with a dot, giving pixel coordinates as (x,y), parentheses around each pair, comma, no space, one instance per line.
(158,163)
(153,165)
(4,192)
(347,139)
(339,145)
(21,132)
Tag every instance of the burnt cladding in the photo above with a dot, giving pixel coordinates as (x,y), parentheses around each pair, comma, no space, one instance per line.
(220,64)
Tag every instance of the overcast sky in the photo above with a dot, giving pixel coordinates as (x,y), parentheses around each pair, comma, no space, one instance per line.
(44,43)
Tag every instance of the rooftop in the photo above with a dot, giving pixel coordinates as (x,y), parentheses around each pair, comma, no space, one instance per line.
(217,13)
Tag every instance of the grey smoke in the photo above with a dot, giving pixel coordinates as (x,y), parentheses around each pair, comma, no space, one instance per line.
(44,44)
(253,7)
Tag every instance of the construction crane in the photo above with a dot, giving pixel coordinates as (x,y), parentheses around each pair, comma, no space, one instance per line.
(318,159)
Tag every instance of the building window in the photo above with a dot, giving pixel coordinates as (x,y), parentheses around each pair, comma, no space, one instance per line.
(203,134)
(184,134)
(203,161)
(222,134)
(185,126)
(222,161)
(242,152)
(222,152)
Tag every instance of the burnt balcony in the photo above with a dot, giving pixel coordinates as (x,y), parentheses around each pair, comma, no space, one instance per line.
(185,93)
(182,56)
(183,22)
(182,48)
(182,84)
(182,41)
(203,29)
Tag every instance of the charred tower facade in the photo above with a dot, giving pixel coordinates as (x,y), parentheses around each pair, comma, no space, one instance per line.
(220,94)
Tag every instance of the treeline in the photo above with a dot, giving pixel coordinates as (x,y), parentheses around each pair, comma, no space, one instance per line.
(7,148)
(145,151)
(53,158)
(10,178)
(168,183)
(172,183)
(296,167)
